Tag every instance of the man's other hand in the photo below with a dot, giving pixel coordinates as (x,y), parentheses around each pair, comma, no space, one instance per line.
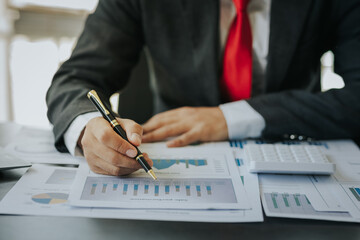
(187,125)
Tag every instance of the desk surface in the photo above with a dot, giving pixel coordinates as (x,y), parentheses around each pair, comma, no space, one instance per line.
(34,227)
(31,227)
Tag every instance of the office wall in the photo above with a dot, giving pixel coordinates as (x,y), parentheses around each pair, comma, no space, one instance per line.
(41,42)
(6,30)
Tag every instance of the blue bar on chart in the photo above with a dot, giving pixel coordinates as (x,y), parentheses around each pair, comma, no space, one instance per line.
(167,163)
(291,142)
(285,203)
(239,162)
(297,201)
(156,190)
(125,188)
(104,188)
(187,190)
(260,141)
(136,187)
(167,189)
(355,192)
(317,143)
(285,198)
(93,189)
(198,190)
(236,144)
(273,199)
(208,189)
(193,190)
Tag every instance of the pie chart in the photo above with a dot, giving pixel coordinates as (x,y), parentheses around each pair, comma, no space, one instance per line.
(50,198)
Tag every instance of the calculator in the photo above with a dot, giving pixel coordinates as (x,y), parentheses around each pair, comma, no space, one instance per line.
(287,159)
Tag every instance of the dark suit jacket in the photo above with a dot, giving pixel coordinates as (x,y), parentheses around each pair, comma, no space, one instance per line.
(183,39)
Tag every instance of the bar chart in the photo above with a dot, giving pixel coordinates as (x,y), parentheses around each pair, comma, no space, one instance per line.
(166,163)
(170,190)
(356,193)
(353,191)
(295,204)
(240,143)
(62,176)
(190,165)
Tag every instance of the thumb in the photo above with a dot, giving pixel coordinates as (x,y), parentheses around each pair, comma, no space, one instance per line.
(133,131)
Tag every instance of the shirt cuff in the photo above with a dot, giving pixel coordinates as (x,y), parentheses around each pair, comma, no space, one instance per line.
(72,134)
(242,120)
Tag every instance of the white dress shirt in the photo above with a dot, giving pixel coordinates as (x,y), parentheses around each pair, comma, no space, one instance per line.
(242,120)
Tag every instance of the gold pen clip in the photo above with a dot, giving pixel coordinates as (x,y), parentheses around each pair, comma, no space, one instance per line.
(94,95)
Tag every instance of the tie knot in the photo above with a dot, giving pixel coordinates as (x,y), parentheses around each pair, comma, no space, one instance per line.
(241,5)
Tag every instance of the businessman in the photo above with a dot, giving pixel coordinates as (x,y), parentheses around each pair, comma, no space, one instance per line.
(225,69)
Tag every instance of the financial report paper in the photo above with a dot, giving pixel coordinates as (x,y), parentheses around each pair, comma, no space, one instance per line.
(187,179)
(44,190)
(334,197)
(37,146)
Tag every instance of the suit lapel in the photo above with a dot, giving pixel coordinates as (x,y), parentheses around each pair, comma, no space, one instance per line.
(286,25)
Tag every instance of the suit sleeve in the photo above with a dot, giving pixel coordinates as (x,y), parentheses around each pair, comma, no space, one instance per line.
(102,60)
(324,115)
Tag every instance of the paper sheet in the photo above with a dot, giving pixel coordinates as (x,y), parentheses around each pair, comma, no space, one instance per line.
(283,197)
(327,197)
(37,146)
(279,201)
(44,190)
(187,179)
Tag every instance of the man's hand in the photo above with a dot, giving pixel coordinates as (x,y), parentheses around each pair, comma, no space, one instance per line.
(188,124)
(106,152)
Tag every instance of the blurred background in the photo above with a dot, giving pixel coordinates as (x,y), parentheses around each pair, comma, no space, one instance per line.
(36,36)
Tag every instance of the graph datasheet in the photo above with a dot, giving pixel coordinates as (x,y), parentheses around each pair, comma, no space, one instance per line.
(186,180)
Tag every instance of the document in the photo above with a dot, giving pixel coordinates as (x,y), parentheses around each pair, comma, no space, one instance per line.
(37,146)
(333,198)
(44,190)
(187,179)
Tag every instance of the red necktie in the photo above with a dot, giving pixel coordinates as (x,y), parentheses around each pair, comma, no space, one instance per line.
(237,62)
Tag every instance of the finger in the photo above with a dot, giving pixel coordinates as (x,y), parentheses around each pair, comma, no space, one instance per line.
(185,139)
(98,165)
(106,135)
(113,170)
(133,131)
(165,132)
(158,121)
(123,171)
(167,117)
(115,158)
(98,170)
(147,158)
(111,156)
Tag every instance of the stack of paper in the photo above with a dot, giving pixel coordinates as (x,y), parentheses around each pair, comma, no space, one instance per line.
(207,182)
(195,184)
(334,198)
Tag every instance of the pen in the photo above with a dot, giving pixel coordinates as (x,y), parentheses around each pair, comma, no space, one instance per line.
(94,98)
